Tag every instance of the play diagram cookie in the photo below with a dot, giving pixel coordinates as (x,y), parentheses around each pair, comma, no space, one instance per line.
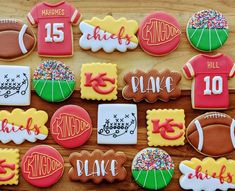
(20,125)
(207,174)
(207,30)
(152,168)
(9,166)
(53,81)
(108,34)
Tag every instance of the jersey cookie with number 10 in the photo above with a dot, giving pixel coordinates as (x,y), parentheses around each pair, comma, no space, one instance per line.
(54,27)
(210,84)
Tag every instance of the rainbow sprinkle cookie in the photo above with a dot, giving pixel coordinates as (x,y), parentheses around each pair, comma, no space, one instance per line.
(53,81)
(207,30)
(152,168)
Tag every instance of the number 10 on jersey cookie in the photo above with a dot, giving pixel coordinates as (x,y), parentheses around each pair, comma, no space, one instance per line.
(54,27)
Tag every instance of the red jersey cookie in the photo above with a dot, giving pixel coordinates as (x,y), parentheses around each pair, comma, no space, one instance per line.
(42,166)
(71,126)
(54,27)
(210,84)
(159,33)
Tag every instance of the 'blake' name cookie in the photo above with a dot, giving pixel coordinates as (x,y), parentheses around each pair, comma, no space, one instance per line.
(97,166)
(151,85)
(108,34)
(207,174)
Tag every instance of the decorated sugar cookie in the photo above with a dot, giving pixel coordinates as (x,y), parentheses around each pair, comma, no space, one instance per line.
(165,127)
(97,166)
(99,81)
(210,80)
(151,86)
(204,129)
(20,125)
(14,85)
(17,39)
(108,34)
(207,174)
(207,30)
(54,22)
(159,34)
(152,168)
(117,124)
(71,126)
(9,166)
(42,166)
(53,81)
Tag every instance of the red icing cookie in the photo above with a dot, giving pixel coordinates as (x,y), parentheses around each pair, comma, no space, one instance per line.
(42,166)
(159,34)
(71,126)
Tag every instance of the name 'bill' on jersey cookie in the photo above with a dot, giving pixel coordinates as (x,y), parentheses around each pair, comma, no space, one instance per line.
(54,27)
(207,174)
(210,80)
(108,34)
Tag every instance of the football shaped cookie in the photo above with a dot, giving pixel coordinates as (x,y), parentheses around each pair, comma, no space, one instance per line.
(212,134)
(17,39)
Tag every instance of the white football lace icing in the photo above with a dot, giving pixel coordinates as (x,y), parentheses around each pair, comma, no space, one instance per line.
(215,115)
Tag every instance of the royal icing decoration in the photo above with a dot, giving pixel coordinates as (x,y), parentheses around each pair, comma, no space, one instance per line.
(99,81)
(207,30)
(20,125)
(108,34)
(210,80)
(117,124)
(97,166)
(165,127)
(71,126)
(152,168)
(17,39)
(9,166)
(203,130)
(159,33)
(42,166)
(151,85)
(54,27)
(207,174)
(53,81)
(14,85)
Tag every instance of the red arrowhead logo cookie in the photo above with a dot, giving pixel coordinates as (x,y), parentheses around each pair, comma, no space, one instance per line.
(71,126)
(42,166)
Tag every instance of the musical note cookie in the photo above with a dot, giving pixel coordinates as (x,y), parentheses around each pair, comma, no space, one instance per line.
(151,86)
(159,34)
(97,166)
(117,124)
(207,174)
(53,81)
(99,81)
(71,126)
(207,30)
(165,127)
(108,34)
(14,85)
(152,168)
(9,166)
(42,166)
(20,125)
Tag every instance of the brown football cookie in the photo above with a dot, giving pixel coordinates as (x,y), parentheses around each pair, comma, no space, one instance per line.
(97,166)
(152,85)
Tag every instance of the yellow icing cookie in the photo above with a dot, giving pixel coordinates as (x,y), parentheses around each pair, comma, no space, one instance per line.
(20,125)
(165,127)
(9,166)
(99,81)
(207,174)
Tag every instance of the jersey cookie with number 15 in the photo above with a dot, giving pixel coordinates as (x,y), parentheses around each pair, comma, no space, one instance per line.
(54,27)
(210,85)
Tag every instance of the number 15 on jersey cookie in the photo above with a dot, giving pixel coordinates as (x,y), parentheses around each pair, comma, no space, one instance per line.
(210,83)
(54,27)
